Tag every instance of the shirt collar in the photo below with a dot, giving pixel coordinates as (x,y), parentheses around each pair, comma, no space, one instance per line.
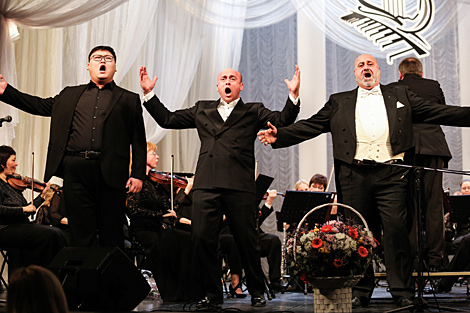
(109,85)
(229,105)
(366,92)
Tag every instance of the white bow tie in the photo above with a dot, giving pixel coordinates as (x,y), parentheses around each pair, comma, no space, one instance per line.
(374,92)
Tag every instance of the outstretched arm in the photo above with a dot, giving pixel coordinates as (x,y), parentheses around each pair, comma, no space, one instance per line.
(3,84)
(268,136)
(294,84)
(146,83)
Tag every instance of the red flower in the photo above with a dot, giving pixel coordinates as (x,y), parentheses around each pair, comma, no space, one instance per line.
(338,263)
(362,252)
(317,243)
(326,228)
(353,233)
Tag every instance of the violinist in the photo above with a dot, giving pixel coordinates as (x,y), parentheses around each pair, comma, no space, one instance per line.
(37,244)
(167,249)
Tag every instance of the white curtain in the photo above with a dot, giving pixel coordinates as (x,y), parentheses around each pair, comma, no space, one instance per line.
(184,42)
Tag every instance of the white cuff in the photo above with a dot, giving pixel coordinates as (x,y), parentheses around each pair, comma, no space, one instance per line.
(294,101)
(148,96)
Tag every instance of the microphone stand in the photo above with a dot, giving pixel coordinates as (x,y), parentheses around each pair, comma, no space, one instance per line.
(419,304)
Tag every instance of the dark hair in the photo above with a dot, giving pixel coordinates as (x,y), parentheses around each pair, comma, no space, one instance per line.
(35,289)
(318,179)
(102,48)
(5,153)
(410,66)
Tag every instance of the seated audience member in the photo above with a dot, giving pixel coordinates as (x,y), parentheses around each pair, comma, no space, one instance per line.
(35,289)
(301,185)
(318,182)
(35,244)
(167,249)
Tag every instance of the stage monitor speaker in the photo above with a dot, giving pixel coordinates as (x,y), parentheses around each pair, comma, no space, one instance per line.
(99,279)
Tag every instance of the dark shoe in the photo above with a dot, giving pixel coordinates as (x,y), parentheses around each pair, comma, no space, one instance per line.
(258,301)
(359,302)
(402,302)
(277,286)
(233,294)
(209,302)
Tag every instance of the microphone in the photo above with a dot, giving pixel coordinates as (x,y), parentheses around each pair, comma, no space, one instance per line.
(6,119)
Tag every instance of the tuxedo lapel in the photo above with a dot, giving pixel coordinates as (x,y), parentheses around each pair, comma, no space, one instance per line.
(117,93)
(69,108)
(391,107)
(350,111)
(237,113)
(213,114)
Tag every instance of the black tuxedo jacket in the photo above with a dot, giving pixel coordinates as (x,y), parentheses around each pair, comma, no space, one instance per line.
(403,109)
(227,157)
(429,139)
(123,127)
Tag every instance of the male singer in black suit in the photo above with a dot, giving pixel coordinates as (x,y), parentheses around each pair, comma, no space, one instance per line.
(431,150)
(373,124)
(225,178)
(93,127)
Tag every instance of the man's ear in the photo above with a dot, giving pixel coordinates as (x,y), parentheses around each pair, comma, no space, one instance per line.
(401,75)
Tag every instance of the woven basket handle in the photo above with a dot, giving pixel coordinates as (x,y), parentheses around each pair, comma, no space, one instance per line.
(318,208)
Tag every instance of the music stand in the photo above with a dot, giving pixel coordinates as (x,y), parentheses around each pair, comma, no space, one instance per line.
(460,205)
(298,203)
(262,184)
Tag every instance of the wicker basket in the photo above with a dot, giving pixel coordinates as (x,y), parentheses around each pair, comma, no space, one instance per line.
(332,294)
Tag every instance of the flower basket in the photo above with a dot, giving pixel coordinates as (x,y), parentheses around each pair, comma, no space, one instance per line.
(332,258)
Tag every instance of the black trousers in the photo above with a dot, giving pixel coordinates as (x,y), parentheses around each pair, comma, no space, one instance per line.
(270,248)
(433,210)
(460,261)
(240,208)
(381,189)
(95,210)
(34,244)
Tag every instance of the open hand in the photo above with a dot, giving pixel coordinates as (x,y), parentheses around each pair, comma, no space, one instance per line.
(146,83)
(294,84)
(268,136)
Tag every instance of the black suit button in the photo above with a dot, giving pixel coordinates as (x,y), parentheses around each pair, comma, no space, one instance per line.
(344,129)
(210,155)
(347,153)
(399,119)
(216,137)
(205,124)
(345,141)
(399,131)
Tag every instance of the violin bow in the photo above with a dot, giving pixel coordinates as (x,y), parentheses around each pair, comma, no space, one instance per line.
(331,175)
(32,178)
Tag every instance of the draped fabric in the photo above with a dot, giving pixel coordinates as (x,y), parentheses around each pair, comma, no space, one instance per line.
(269,55)
(184,42)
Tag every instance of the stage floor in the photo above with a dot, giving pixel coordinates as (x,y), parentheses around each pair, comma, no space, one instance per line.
(298,302)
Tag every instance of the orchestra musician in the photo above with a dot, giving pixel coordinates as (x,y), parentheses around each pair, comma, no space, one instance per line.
(167,250)
(92,129)
(372,127)
(37,244)
(225,177)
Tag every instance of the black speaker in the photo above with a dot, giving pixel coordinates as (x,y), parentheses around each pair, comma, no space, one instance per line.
(99,279)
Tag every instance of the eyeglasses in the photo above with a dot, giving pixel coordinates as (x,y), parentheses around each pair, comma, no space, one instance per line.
(152,152)
(106,58)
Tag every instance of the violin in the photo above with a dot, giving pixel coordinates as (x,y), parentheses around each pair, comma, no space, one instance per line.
(165,179)
(23,182)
